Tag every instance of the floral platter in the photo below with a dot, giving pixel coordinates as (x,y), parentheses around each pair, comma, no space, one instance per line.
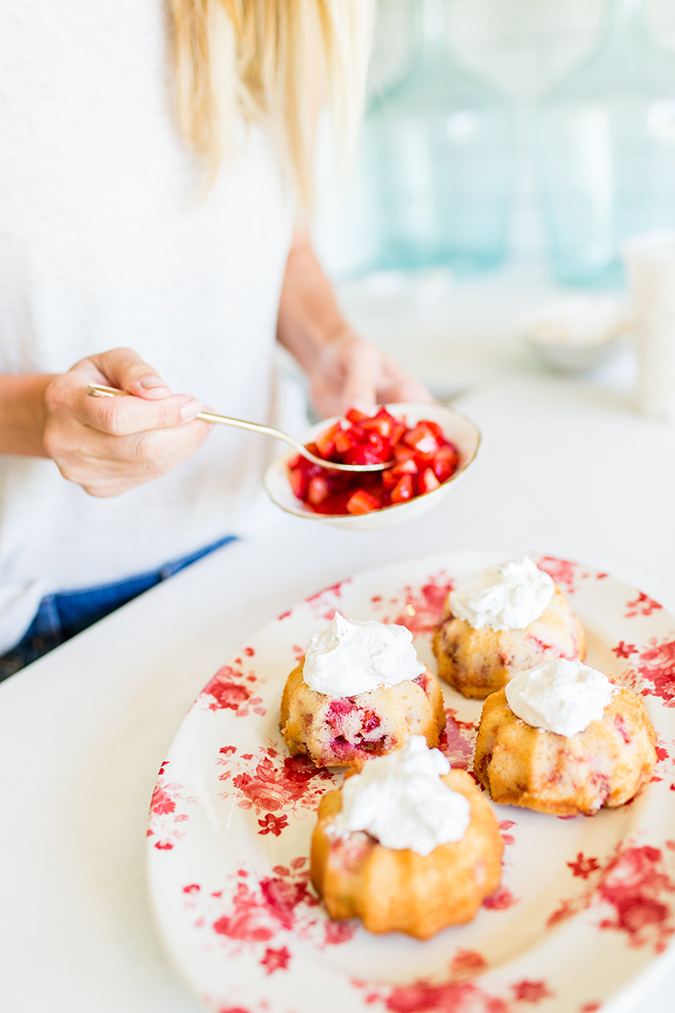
(586,908)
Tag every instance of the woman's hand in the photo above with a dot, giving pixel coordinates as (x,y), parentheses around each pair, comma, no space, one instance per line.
(344,371)
(111,444)
(352,373)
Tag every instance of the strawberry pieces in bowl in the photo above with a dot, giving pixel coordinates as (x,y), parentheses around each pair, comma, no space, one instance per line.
(423,460)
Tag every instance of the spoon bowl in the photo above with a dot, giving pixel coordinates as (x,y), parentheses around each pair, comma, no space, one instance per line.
(456,428)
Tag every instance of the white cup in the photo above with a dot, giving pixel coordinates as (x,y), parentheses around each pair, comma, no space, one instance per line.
(650,266)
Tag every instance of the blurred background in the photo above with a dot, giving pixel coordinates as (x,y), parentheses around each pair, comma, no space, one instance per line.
(510,147)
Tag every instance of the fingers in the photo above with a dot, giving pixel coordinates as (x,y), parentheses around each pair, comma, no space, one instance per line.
(110,444)
(152,408)
(108,465)
(127,370)
(362,365)
(398,385)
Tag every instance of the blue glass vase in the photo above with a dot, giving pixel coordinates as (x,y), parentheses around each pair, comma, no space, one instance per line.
(438,153)
(607,151)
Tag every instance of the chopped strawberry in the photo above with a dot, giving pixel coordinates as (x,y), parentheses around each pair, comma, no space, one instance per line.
(424,459)
(445,462)
(403,453)
(403,490)
(362,502)
(397,432)
(363,454)
(427,482)
(408,467)
(354,415)
(318,490)
(422,439)
(344,440)
(389,479)
(382,422)
(436,430)
(325,441)
(298,484)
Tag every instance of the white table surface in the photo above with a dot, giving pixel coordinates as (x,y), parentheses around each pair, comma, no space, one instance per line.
(566,468)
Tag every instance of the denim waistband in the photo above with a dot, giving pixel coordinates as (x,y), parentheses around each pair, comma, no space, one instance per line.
(63,614)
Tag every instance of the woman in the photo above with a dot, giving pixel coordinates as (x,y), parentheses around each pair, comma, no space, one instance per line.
(152,168)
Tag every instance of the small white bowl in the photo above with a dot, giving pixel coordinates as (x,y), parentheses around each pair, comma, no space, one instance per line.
(456,428)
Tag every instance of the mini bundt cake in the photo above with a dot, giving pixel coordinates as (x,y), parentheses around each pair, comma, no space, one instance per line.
(564,739)
(505,619)
(345,722)
(428,851)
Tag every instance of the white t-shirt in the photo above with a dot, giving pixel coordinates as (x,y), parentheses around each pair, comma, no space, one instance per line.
(108,238)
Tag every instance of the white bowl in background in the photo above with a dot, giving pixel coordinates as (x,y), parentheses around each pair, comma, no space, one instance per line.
(456,427)
(577,331)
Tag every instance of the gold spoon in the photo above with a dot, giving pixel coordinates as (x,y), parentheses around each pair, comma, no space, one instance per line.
(96,390)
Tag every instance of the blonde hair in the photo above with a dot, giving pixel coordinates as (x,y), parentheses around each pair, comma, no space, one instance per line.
(271,59)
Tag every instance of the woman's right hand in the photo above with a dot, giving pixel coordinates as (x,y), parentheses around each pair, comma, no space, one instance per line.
(111,444)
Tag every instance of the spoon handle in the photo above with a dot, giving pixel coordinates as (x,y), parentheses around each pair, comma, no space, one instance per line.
(97,390)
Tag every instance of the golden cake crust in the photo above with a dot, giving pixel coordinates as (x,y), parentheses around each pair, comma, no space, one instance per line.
(605,765)
(392,890)
(346,731)
(479,662)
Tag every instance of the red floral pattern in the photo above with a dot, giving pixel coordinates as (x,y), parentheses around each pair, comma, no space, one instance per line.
(506,825)
(271,784)
(276,960)
(583,866)
(323,603)
(250,914)
(630,893)
(642,606)
(232,689)
(422,607)
(656,666)
(531,991)
(623,650)
(447,997)
(467,964)
(634,885)
(563,571)
(166,819)
(500,900)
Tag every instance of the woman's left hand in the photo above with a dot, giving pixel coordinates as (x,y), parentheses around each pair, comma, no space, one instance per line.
(351,373)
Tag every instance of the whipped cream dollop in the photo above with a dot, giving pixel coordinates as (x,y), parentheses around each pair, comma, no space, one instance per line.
(400,799)
(503,597)
(559,696)
(349,658)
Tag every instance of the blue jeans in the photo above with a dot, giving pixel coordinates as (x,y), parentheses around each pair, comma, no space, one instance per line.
(60,616)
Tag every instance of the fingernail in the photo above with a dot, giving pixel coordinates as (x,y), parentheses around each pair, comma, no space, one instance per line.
(190,410)
(152,381)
